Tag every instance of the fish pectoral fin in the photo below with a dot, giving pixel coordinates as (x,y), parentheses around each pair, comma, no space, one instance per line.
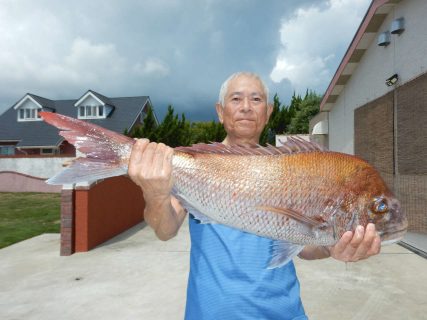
(293,214)
(200,217)
(282,253)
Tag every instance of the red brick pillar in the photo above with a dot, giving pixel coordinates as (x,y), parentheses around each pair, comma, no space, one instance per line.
(67,222)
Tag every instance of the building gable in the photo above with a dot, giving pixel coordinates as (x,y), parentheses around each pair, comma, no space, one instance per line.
(93,106)
(118,114)
(28,109)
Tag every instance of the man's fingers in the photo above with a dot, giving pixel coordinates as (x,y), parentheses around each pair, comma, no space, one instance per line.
(361,244)
(376,246)
(366,245)
(343,243)
(158,158)
(147,158)
(358,237)
(167,162)
(136,155)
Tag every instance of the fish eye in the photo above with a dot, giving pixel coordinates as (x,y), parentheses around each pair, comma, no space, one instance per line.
(380,206)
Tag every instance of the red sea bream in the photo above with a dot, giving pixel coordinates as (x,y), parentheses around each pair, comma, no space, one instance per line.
(296,195)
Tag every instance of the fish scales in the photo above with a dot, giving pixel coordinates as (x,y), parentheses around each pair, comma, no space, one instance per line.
(229,188)
(299,192)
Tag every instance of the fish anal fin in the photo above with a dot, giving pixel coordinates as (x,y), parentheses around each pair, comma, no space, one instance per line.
(295,215)
(283,252)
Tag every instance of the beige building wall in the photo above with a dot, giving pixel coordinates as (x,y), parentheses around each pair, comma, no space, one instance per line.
(406,55)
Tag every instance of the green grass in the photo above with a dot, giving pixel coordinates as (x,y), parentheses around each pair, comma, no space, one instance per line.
(25,215)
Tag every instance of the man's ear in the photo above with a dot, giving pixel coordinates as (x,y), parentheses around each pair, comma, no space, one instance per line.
(220,111)
(269,111)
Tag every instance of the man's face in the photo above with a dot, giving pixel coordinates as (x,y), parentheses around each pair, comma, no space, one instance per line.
(245,112)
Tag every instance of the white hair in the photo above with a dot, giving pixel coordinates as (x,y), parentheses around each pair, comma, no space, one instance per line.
(224,87)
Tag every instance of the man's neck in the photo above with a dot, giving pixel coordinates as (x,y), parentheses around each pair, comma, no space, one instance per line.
(230,141)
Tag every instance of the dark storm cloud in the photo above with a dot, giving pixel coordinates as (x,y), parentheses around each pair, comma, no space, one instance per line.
(177,52)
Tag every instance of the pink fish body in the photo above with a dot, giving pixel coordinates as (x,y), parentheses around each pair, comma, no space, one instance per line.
(297,195)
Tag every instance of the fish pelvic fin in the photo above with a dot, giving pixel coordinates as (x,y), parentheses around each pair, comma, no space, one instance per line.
(283,252)
(106,152)
(293,214)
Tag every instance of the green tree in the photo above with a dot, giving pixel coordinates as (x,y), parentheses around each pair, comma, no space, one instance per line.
(304,112)
(167,131)
(207,132)
(148,128)
(184,132)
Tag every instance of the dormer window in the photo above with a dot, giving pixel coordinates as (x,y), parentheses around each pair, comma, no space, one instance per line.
(93,105)
(91,112)
(28,108)
(28,114)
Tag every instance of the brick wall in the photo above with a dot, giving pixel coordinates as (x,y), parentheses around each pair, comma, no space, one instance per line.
(412,127)
(376,139)
(411,140)
(373,133)
(104,210)
(67,222)
(18,182)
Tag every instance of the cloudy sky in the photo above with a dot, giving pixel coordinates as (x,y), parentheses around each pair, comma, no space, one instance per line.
(176,51)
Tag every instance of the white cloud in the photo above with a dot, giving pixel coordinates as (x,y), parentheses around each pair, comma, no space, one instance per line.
(152,66)
(313,42)
(86,63)
(177,52)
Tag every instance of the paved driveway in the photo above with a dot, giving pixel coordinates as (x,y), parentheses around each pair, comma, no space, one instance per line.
(135,276)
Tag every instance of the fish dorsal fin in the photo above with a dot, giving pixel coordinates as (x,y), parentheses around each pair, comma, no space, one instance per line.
(291,146)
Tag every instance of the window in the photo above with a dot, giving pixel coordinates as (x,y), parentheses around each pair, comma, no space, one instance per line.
(28,114)
(47,151)
(91,112)
(7,150)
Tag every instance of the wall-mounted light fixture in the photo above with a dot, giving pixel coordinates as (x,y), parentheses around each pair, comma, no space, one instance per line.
(397,26)
(384,39)
(392,80)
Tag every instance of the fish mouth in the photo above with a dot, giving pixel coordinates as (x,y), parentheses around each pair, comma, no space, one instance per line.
(391,236)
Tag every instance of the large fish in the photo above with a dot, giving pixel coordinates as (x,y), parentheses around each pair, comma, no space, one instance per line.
(298,194)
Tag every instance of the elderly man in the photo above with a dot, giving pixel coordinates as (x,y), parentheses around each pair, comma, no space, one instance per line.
(228,277)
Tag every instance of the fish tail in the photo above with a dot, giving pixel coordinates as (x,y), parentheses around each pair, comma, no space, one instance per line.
(105,152)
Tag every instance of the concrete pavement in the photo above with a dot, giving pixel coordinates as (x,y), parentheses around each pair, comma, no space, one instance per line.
(135,276)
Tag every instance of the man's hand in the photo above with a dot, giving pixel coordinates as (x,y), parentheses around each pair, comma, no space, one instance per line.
(150,167)
(350,248)
(360,245)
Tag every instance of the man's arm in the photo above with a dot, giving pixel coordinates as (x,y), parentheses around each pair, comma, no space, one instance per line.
(350,248)
(150,167)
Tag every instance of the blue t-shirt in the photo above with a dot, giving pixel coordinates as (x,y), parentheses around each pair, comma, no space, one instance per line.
(229,278)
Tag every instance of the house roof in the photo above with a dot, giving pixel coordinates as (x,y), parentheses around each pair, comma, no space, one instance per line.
(32,134)
(103,99)
(371,23)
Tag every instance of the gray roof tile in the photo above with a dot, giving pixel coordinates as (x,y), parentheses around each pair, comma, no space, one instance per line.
(39,133)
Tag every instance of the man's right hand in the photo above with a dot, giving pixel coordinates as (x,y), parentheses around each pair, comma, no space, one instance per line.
(150,167)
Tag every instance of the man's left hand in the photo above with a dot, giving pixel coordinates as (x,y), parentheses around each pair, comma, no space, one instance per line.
(358,245)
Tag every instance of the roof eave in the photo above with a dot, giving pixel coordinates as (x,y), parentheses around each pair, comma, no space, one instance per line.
(25,98)
(352,55)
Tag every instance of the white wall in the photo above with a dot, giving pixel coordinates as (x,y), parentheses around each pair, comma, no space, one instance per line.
(406,55)
(89,101)
(28,104)
(36,167)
